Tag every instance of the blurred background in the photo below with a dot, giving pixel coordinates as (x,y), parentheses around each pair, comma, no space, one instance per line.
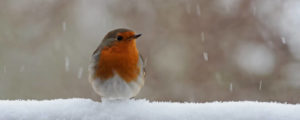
(197,50)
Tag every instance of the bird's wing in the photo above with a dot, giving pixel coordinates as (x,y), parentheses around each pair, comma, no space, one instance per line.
(143,64)
(93,59)
(96,53)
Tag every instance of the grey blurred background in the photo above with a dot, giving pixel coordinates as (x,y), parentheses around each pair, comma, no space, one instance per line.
(197,50)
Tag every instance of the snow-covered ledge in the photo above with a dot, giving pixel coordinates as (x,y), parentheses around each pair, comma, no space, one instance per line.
(85,109)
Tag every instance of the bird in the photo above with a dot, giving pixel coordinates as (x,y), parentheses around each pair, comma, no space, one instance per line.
(116,69)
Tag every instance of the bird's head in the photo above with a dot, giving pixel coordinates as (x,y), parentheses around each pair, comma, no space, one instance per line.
(119,36)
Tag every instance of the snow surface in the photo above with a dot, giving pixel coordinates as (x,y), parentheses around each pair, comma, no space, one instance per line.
(86,109)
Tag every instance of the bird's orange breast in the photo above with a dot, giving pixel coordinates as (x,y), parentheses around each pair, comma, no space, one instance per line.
(121,58)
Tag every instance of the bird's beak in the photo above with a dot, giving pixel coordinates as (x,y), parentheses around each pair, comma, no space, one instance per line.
(136,36)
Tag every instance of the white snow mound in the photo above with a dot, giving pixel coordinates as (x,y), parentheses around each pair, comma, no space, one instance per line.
(86,109)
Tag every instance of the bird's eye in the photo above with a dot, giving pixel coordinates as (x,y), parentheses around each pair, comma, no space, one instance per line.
(119,38)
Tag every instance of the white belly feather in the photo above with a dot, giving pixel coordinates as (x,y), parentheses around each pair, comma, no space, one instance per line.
(116,88)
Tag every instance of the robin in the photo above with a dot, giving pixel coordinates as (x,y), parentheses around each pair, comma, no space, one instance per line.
(116,70)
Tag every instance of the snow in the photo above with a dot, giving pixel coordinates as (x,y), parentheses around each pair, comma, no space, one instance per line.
(260,85)
(64,26)
(205,56)
(79,74)
(202,36)
(67,64)
(230,87)
(86,109)
(254,10)
(198,10)
(283,40)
